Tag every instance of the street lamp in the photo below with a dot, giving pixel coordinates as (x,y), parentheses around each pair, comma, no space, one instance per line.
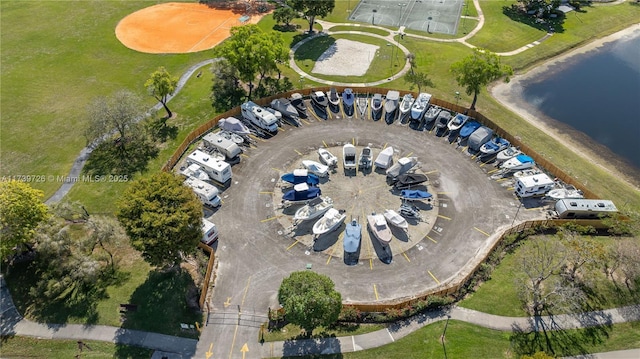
(401,10)
(429,23)
(373,16)
(301,80)
(457,97)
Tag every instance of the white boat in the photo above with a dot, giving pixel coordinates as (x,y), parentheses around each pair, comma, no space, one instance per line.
(376,107)
(314,209)
(327,157)
(520,162)
(495,145)
(194,170)
(420,105)
(362,103)
(334,100)
(352,236)
(366,158)
(316,168)
(385,158)
(457,122)
(402,166)
(233,137)
(567,192)
(527,172)
(330,221)
(405,107)
(391,106)
(349,156)
(378,225)
(395,219)
(234,125)
(508,153)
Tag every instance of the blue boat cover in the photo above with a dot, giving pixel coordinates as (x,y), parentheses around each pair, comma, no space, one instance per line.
(468,128)
(303,177)
(415,194)
(304,195)
(352,237)
(524,159)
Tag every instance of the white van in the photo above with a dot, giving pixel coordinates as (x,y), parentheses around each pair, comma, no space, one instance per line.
(209,232)
(534,185)
(207,193)
(224,145)
(219,171)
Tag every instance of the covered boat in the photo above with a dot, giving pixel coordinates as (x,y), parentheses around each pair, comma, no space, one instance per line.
(330,221)
(298,102)
(327,157)
(378,225)
(441,122)
(234,125)
(396,220)
(366,158)
(457,122)
(520,162)
(414,195)
(407,180)
(528,172)
(405,107)
(496,145)
(334,100)
(385,158)
(391,106)
(301,176)
(468,128)
(402,166)
(352,236)
(301,192)
(287,110)
(430,115)
(479,137)
(376,107)
(508,153)
(347,102)
(349,156)
(409,211)
(316,168)
(313,209)
(319,103)
(420,106)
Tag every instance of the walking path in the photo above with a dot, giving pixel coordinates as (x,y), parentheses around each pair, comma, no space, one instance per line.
(171,347)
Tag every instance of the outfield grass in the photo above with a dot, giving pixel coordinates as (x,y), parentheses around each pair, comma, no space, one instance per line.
(24,347)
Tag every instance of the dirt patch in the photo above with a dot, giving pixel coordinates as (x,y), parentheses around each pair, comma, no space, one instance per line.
(346,58)
(173,28)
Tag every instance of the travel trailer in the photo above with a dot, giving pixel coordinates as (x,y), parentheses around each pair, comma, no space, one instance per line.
(223,145)
(209,232)
(219,171)
(534,185)
(584,208)
(259,116)
(206,192)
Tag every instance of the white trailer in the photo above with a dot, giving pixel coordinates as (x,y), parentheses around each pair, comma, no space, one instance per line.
(206,192)
(209,232)
(219,171)
(259,116)
(223,145)
(584,208)
(534,185)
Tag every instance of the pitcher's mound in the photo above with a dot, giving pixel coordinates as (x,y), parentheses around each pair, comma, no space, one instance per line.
(173,28)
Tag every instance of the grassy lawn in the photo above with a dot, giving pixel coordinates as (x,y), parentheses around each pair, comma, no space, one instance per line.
(502,286)
(372,30)
(465,340)
(24,347)
(291,331)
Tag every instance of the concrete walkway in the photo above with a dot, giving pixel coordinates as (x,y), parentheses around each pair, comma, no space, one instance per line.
(12,323)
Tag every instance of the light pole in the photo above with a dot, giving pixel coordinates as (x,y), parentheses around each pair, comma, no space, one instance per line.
(373,16)
(464,18)
(401,11)
(301,81)
(429,23)
(457,97)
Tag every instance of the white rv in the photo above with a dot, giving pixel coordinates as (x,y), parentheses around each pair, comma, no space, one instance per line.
(224,145)
(259,116)
(534,185)
(207,193)
(578,208)
(219,171)
(209,232)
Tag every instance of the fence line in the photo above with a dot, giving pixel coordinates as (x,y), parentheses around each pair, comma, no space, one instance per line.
(207,276)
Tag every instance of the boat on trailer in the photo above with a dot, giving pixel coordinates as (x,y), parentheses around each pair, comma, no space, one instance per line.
(376,107)
(352,236)
(495,145)
(457,122)
(366,158)
(349,157)
(319,104)
(508,153)
(430,116)
(391,106)
(329,222)
(385,158)
(316,168)
(327,157)
(520,162)
(378,225)
(297,101)
(300,175)
(407,180)
(362,103)
(334,100)
(405,108)
(348,100)
(301,193)
(414,195)
(313,209)
(420,106)
(396,219)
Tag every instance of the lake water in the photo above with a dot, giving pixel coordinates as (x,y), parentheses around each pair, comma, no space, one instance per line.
(597,93)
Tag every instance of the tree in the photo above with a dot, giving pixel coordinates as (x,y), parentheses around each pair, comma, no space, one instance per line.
(284,14)
(311,9)
(21,211)
(162,217)
(103,232)
(415,78)
(478,70)
(309,300)
(118,115)
(161,85)
(226,91)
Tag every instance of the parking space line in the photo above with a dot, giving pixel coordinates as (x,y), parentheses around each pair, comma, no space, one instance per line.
(293,244)
(375,291)
(502,179)
(325,144)
(430,172)
(434,277)
(441,193)
(444,217)
(385,145)
(410,153)
(481,231)
(275,169)
(265,192)
(271,218)
(511,188)
(257,138)
(304,121)
(464,148)
(493,170)
(298,152)
(431,239)
(353,141)
(244,156)
(406,257)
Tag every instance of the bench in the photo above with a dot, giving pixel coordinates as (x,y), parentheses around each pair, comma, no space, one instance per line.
(128,308)
(244,18)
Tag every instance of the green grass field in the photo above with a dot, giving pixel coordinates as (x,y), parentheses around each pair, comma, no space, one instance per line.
(23,348)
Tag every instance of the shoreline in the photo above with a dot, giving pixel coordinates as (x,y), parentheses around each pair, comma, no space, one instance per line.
(510,96)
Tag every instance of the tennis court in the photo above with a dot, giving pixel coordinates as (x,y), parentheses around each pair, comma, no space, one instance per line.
(440,16)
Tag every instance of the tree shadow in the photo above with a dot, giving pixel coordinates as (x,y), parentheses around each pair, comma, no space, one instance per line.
(286,28)
(515,13)
(326,347)
(313,49)
(160,131)
(117,158)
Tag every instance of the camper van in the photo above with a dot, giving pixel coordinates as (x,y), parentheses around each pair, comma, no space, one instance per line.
(584,208)
(219,171)
(534,185)
(207,193)
(223,145)
(259,116)
(209,232)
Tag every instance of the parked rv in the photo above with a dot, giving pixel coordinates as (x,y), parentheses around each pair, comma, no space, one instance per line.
(209,232)
(219,171)
(223,145)
(206,192)
(584,208)
(534,185)
(259,116)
